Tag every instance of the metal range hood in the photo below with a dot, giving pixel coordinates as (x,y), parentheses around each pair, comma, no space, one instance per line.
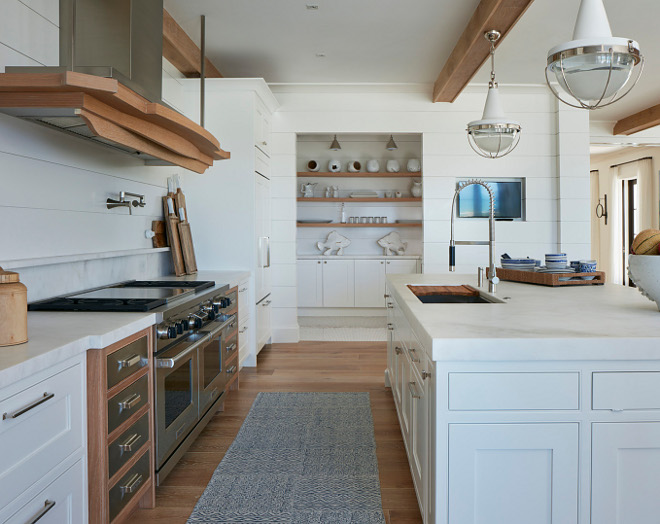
(108,85)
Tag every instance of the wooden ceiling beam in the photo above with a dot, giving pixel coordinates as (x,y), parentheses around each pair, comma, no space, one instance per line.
(645,119)
(472,49)
(182,52)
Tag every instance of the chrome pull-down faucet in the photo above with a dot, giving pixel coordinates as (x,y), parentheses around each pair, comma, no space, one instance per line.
(122,202)
(492,275)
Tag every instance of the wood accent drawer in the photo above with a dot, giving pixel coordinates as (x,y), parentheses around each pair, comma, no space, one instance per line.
(127,445)
(124,362)
(127,402)
(40,427)
(230,346)
(514,391)
(129,485)
(618,391)
(61,502)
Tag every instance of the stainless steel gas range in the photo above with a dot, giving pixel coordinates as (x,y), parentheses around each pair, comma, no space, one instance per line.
(195,351)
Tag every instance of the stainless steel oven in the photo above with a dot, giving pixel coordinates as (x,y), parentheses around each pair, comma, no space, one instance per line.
(177,397)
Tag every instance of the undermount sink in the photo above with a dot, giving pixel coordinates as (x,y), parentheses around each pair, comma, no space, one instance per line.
(453,295)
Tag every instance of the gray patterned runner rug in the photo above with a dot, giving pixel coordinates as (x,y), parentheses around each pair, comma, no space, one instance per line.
(299,458)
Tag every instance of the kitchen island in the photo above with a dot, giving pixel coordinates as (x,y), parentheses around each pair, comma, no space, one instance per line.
(542,409)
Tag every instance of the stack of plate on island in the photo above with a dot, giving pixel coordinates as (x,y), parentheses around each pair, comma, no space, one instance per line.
(556,263)
(520,264)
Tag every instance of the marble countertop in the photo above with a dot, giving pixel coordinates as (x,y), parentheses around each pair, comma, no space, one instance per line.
(608,322)
(55,336)
(359,257)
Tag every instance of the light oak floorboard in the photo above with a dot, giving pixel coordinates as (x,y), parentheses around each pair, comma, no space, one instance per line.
(307,366)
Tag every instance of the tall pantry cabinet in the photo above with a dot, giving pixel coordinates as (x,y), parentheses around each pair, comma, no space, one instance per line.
(229,206)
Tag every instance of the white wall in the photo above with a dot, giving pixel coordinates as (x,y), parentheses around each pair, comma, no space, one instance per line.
(57,232)
(553,155)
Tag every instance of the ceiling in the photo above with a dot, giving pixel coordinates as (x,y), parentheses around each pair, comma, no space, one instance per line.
(386,41)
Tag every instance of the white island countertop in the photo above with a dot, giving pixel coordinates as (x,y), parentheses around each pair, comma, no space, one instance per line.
(606,322)
(55,336)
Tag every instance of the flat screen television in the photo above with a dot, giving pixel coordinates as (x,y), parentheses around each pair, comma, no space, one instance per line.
(473,201)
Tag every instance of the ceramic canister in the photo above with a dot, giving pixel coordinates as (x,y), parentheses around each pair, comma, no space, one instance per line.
(13,309)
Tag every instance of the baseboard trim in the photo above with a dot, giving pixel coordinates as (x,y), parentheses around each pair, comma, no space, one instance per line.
(341,312)
(285,334)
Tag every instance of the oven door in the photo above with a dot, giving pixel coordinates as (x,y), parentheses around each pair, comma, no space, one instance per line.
(211,364)
(176,387)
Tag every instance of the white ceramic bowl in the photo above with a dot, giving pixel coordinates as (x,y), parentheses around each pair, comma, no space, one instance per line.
(644,271)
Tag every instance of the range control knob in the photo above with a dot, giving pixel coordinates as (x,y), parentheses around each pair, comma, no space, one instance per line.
(195,321)
(223,302)
(185,324)
(179,327)
(171,331)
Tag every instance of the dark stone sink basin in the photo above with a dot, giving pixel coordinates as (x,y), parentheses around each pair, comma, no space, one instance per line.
(463,294)
(452,299)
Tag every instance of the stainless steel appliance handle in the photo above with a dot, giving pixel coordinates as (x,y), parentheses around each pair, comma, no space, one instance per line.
(222,326)
(48,505)
(128,444)
(132,484)
(14,414)
(171,362)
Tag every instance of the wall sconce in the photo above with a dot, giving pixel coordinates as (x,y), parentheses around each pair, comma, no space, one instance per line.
(391,145)
(335,144)
(601,210)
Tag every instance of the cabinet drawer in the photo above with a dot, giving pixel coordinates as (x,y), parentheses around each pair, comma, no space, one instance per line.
(61,502)
(124,490)
(127,444)
(513,391)
(40,427)
(230,347)
(626,390)
(127,402)
(126,361)
(243,301)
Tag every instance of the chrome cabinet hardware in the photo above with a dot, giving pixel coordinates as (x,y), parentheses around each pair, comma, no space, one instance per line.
(131,401)
(130,442)
(242,290)
(386,295)
(410,352)
(264,143)
(48,505)
(319,262)
(241,331)
(14,414)
(413,390)
(390,326)
(425,375)
(129,362)
(132,484)
(390,305)
(231,370)
(398,350)
(267,303)
(231,347)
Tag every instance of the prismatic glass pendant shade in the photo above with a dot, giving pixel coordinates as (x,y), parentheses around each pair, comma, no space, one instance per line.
(335,144)
(495,135)
(594,69)
(391,145)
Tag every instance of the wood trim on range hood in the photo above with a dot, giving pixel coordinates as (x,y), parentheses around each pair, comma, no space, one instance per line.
(107,112)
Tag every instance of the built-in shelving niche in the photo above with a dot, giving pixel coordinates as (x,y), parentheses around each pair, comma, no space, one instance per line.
(360,147)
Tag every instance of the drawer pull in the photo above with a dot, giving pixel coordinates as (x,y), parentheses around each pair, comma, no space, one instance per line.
(243,330)
(390,305)
(132,484)
(231,370)
(425,375)
(267,303)
(398,350)
(129,443)
(242,290)
(129,362)
(410,352)
(231,347)
(390,327)
(131,401)
(413,390)
(48,505)
(45,398)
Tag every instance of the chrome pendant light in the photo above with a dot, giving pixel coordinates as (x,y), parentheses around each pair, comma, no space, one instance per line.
(494,136)
(335,144)
(391,145)
(594,69)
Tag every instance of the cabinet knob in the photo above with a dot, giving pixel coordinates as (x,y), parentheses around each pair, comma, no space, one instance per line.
(425,375)
(381,262)
(398,350)
(388,262)
(319,262)
(264,143)
(325,261)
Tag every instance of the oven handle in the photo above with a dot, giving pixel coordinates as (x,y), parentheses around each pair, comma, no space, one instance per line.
(172,362)
(222,326)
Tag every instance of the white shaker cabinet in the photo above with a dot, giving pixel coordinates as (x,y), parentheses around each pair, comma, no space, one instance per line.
(310,283)
(263,230)
(625,466)
(264,310)
(369,283)
(338,283)
(401,267)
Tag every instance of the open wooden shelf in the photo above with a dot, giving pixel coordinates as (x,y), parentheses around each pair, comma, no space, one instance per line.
(336,224)
(326,174)
(361,199)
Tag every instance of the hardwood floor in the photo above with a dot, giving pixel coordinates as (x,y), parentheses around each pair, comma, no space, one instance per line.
(307,366)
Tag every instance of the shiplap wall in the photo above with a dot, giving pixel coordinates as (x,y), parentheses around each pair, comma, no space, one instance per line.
(57,231)
(553,156)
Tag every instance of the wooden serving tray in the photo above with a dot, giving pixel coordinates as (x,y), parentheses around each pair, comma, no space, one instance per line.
(549,279)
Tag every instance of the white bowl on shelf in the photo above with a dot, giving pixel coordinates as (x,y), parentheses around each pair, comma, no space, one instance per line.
(644,271)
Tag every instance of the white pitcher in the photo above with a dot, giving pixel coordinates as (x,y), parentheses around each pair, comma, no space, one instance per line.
(307,190)
(416,188)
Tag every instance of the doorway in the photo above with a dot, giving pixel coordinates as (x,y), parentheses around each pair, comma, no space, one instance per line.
(629,223)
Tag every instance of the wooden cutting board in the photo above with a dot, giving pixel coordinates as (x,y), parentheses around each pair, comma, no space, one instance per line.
(160,237)
(180,203)
(172,226)
(187,247)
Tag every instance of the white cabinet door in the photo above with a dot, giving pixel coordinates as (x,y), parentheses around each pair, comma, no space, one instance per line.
(404,377)
(625,465)
(419,437)
(369,283)
(310,283)
(263,323)
(514,474)
(338,283)
(262,128)
(395,267)
(263,216)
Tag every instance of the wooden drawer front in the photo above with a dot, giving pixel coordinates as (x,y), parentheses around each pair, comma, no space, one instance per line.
(61,502)
(36,440)
(512,391)
(127,486)
(242,301)
(230,347)
(127,444)
(127,402)
(626,390)
(126,361)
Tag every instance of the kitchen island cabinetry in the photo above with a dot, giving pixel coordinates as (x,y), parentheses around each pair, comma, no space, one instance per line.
(511,415)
